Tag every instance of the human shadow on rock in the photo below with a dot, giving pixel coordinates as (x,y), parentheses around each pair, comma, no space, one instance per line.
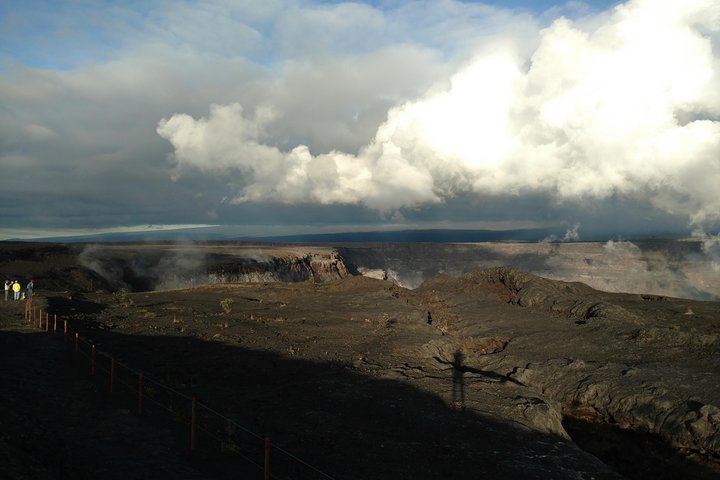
(344,423)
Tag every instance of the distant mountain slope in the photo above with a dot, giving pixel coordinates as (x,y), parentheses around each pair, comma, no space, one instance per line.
(230,234)
(430,235)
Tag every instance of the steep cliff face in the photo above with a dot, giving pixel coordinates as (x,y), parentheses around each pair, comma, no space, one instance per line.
(660,267)
(317,267)
(328,267)
(162,267)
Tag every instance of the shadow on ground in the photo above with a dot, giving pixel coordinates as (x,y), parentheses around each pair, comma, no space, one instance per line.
(324,418)
(346,425)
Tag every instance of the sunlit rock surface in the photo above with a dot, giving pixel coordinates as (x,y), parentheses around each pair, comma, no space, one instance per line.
(498,372)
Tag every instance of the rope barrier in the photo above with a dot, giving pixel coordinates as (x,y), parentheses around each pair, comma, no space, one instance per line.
(148,391)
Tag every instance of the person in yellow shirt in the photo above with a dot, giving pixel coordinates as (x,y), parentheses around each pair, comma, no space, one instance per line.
(16,290)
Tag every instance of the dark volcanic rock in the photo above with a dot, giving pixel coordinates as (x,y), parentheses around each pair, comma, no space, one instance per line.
(573,299)
(513,373)
(638,366)
(164,266)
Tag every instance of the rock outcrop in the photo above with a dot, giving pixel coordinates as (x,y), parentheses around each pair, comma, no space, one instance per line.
(161,267)
(570,298)
(625,361)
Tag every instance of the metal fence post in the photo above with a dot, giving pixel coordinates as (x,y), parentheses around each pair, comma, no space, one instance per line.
(267,458)
(192,424)
(140,393)
(112,374)
(92,360)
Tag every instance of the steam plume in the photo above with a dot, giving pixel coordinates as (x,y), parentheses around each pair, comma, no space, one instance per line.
(571,235)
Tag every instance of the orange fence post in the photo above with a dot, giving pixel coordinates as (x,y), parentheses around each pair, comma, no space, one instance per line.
(65,329)
(55,323)
(34,319)
(77,344)
(47,322)
(140,392)
(112,373)
(92,360)
(267,458)
(40,318)
(192,425)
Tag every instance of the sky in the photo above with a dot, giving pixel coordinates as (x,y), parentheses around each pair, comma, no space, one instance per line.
(599,118)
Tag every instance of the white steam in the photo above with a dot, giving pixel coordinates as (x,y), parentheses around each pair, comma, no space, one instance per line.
(624,104)
(571,235)
(710,246)
(623,266)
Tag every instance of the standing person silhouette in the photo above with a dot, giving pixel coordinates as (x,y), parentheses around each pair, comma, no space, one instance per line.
(458,387)
(16,290)
(7,289)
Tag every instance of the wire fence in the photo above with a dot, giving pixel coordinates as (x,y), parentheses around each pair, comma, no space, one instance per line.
(217,437)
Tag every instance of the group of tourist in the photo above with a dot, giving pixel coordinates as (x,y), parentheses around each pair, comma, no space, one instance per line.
(17,289)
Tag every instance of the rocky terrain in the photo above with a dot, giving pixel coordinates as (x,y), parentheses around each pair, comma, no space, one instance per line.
(679,268)
(497,373)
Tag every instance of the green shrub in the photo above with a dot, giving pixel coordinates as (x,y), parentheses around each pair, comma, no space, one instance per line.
(122,298)
(226,305)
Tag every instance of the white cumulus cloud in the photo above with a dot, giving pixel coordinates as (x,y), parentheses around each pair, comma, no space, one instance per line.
(625,104)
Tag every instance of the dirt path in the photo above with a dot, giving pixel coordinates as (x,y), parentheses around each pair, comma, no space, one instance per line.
(54,424)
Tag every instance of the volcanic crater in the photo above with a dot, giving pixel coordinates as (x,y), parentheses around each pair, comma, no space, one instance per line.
(497,373)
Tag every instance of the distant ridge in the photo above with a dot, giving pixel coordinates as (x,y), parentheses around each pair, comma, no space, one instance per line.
(230,234)
(413,236)
(429,235)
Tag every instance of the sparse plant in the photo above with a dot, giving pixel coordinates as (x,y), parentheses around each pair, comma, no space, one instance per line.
(444,325)
(230,446)
(226,305)
(150,392)
(382,322)
(122,298)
